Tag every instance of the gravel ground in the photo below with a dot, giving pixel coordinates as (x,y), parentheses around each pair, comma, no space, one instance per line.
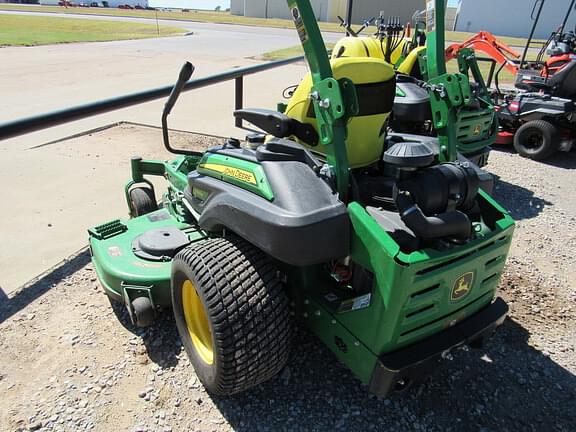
(69,362)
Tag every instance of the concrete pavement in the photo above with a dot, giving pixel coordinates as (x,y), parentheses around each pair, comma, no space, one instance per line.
(71,190)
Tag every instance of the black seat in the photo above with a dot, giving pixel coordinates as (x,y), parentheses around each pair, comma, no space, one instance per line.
(562,84)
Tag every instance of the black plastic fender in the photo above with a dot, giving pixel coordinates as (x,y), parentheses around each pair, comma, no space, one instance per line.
(304,224)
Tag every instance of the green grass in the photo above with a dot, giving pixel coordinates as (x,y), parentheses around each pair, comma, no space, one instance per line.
(505,77)
(18,30)
(287,52)
(282,53)
(219,17)
(452,66)
(193,15)
(453,36)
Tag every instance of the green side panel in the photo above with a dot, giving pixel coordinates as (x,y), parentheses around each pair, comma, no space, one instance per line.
(412,296)
(244,174)
(118,267)
(312,311)
(347,347)
(475,129)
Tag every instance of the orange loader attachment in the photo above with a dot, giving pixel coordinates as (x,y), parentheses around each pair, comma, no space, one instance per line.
(487,43)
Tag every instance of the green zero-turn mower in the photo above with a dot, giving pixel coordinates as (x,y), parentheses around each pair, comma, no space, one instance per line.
(386,248)
(415,59)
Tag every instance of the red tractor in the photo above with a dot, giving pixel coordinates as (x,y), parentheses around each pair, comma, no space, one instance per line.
(539,118)
(560,48)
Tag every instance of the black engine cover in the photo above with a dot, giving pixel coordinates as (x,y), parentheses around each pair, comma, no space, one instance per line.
(414,107)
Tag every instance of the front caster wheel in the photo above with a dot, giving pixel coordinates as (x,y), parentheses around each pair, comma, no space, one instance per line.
(142,312)
(231,312)
(142,201)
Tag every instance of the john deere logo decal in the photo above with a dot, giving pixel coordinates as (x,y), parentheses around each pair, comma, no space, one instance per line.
(462,286)
(299,23)
(238,174)
(477,130)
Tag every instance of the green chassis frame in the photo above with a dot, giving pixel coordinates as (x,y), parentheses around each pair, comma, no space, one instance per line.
(408,317)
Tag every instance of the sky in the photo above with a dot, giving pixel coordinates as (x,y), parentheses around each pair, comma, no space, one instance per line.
(190,4)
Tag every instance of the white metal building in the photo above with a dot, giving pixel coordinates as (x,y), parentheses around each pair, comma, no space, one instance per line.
(512,17)
(325,10)
(328,10)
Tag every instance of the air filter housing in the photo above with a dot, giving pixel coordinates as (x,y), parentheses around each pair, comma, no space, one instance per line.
(409,155)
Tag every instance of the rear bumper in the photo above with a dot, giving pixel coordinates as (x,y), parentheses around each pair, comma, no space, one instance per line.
(396,370)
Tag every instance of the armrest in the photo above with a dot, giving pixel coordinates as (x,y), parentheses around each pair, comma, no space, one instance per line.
(279,125)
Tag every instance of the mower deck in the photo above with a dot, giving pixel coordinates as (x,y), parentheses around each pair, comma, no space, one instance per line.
(125,275)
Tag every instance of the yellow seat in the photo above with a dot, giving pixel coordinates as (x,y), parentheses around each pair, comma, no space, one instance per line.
(375,84)
(410,64)
(367,46)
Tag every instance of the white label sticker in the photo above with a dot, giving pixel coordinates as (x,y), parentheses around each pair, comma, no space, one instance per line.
(362,302)
(430,16)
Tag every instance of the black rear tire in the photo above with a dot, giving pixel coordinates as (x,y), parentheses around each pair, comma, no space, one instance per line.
(142,201)
(245,306)
(536,140)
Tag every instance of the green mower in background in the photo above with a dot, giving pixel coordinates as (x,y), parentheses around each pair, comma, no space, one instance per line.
(417,60)
(385,246)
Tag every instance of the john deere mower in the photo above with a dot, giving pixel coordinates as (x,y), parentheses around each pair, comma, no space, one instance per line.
(383,246)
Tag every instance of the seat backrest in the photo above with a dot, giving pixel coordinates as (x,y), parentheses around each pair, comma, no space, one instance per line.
(367,46)
(375,84)
(563,82)
(410,65)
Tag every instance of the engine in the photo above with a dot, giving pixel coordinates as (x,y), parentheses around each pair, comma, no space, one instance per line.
(426,204)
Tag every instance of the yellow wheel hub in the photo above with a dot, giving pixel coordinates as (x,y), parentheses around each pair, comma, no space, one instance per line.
(197,322)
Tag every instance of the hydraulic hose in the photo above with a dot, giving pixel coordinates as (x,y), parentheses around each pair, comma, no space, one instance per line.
(453,225)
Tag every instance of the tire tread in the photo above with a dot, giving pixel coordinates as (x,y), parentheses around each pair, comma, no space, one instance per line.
(247,307)
(550,135)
